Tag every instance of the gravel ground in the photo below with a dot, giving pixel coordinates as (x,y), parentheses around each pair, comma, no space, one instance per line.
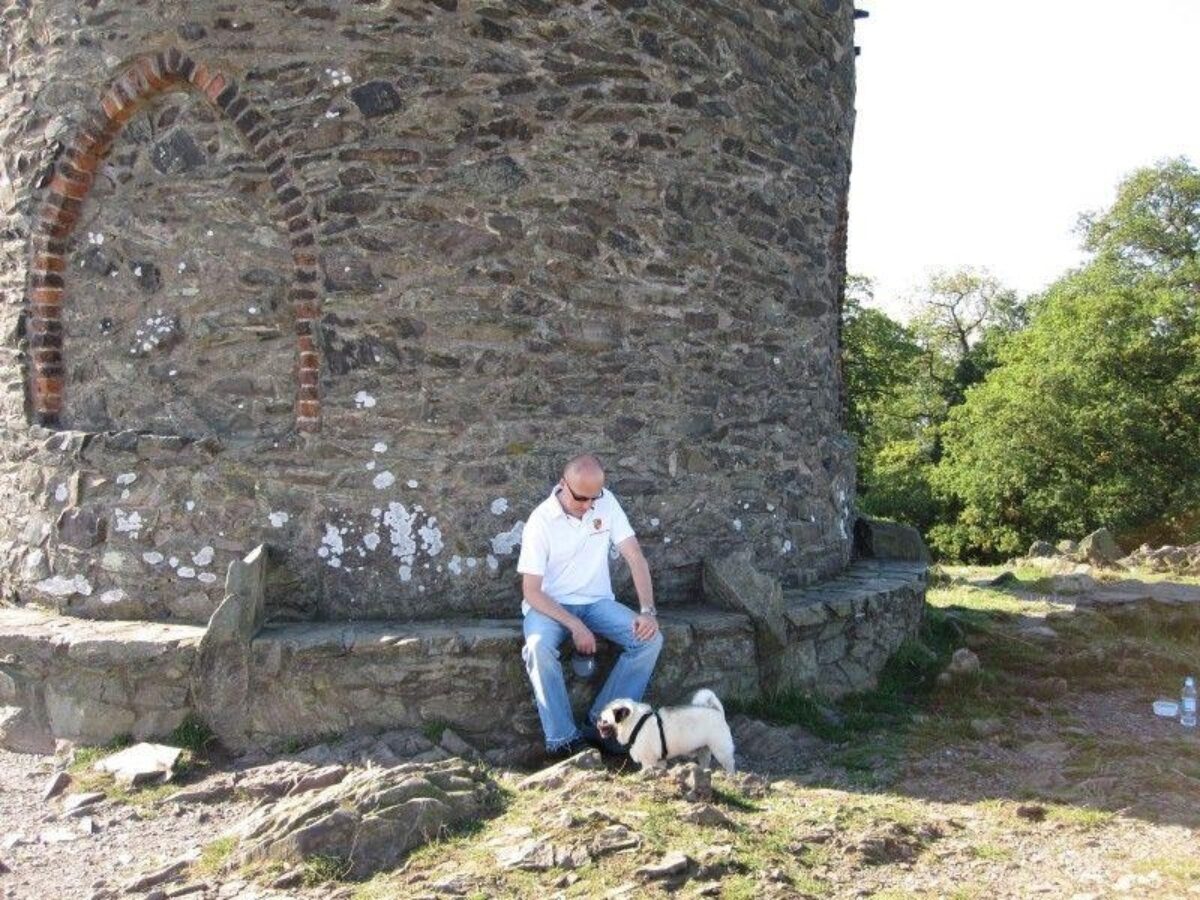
(52,855)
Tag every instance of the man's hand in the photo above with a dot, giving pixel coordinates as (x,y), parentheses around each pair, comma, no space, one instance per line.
(582,637)
(645,627)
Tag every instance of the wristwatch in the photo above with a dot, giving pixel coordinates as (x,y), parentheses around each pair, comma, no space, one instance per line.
(650,612)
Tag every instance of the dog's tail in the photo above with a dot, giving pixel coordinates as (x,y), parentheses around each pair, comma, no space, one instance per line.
(705,697)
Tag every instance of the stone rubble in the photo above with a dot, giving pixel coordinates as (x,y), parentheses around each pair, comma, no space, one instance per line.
(141,764)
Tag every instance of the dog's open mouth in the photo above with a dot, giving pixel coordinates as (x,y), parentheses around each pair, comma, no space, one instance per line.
(606,730)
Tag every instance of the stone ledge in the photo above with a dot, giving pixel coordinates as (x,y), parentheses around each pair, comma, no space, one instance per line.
(313,679)
(90,681)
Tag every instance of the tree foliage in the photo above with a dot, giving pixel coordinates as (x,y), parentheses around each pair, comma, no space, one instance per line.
(903,379)
(1091,414)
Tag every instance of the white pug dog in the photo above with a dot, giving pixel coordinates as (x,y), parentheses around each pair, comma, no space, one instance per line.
(653,737)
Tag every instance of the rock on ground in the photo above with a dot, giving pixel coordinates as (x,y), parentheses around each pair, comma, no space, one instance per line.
(371,819)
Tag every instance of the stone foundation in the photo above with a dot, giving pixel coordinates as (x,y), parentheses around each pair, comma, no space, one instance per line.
(92,681)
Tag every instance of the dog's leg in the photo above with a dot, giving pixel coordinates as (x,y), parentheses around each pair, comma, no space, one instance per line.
(724,752)
(704,757)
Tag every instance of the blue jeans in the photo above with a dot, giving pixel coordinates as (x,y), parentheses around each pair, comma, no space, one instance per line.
(628,679)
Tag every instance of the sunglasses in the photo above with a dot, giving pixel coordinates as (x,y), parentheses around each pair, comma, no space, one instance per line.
(579,498)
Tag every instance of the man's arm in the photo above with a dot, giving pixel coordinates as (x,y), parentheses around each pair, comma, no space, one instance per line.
(581,635)
(645,625)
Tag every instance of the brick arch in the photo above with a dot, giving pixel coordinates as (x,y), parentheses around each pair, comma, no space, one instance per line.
(148,77)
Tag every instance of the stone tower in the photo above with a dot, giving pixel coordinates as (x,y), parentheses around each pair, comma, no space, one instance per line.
(354,279)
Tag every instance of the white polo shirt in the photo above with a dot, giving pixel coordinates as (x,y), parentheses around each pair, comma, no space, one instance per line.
(572,554)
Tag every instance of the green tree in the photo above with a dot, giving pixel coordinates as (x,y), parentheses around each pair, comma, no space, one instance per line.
(902,381)
(1091,415)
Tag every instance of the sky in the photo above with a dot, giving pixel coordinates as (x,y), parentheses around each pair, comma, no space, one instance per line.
(985,127)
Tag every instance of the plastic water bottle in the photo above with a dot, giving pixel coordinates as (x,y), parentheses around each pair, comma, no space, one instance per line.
(1187,708)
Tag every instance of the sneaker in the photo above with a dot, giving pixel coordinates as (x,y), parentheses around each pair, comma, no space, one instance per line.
(565,751)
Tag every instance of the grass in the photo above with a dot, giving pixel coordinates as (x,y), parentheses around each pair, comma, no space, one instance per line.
(213,856)
(319,870)
(1183,871)
(193,735)
(434,729)
(85,757)
(1081,817)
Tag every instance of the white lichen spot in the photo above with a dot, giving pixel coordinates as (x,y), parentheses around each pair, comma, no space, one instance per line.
(492,562)
(137,271)
(405,573)
(363,400)
(182,267)
(413,483)
(253,310)
(383,480)
(455,565)
(737,524)
(667,539)
(61,586)
(371,541)
(108,598)
(207,577)
(499,506)
(770,507)
(125,494)
(506,541)
(126,478)
(323,552)
(332,542)
(787,547)
(370,465)
(185,572)
(431,537)
(189,505)
(654,523)
(380,447)
(376,512)
(60,493)
(277,519)
(153,557)
(400,523)
(173,562)
(130,524)
(203,556)
(335,562)
(472,562)
(745,506)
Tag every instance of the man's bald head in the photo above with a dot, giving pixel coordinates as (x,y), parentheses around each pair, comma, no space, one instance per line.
(584,466)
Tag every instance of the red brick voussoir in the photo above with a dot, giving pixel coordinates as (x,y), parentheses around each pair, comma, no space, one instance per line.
(71,183)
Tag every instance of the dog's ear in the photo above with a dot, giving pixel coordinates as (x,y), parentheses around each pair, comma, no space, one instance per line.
(621,713)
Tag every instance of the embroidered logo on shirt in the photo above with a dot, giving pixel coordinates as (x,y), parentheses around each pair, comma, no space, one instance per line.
(596,523)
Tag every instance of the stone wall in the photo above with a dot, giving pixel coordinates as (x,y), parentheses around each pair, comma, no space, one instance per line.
(354,279)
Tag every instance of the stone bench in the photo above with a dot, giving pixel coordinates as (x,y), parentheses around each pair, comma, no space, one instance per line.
(90,681)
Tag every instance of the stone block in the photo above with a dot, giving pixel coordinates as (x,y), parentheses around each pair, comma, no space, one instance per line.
(876,539)
(20,732)
(82,719)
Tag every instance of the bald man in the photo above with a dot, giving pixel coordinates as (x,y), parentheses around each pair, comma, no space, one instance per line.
(568,593)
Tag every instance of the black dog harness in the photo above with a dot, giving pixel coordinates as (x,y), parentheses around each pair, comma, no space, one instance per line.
(662,736)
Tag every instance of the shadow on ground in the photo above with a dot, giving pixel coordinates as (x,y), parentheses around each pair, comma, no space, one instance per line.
(1059,711)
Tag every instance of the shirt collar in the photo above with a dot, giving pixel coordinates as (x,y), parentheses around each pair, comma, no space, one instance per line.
(558,510)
